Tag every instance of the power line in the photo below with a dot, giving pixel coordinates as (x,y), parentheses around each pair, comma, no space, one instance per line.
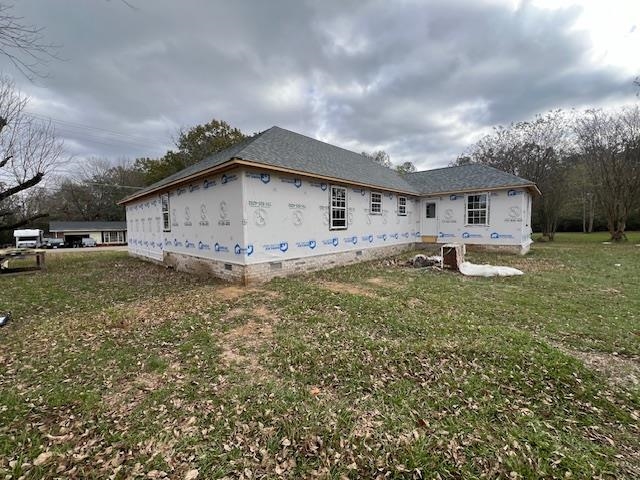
(100,136)
(91,127)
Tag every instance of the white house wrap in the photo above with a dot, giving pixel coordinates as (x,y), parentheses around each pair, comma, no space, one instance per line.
(281,203)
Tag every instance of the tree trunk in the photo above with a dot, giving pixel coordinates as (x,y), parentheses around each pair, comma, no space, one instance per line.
(616,229)
(584,214)
(592,214)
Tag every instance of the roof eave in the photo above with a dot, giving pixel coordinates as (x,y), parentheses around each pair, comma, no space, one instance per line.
(223,166)
(532,187)
(238,161)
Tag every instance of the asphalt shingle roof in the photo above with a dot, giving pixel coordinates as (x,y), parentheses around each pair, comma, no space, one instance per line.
(463,178)
(282,148)
(86,226)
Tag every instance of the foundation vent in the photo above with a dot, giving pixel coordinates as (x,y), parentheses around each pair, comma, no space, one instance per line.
(228,266)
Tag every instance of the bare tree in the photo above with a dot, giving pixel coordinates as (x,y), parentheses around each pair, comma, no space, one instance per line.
(610,145)
(406,167)
(29,151)
(380,157)
(23,44)
(535,150)
(93,192)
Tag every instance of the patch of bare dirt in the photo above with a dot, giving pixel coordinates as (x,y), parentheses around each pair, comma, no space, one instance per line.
(378,281)
(171,307)
(241,345)
(231,292)
(621,371)
(337,287)
(126,396)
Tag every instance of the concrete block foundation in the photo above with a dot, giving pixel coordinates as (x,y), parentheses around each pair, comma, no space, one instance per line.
(257,273)
(263,272)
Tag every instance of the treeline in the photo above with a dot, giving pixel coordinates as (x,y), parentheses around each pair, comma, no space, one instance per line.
(587,166)
(93,191)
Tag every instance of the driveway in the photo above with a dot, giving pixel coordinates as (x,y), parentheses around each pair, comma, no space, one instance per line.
(108,248)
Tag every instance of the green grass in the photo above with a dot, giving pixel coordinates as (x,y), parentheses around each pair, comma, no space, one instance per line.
(122,368)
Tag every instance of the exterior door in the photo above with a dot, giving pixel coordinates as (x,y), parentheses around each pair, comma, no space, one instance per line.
(430,218)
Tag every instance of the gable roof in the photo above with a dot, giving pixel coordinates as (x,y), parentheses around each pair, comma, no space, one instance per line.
(464,178)
(86,226)
(296,153)
(277,147)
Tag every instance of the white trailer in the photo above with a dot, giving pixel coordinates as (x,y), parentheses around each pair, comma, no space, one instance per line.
(29,238)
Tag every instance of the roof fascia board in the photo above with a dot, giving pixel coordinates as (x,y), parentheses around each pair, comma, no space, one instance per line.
(235,161)
(203,173)
(531,186)
(329,179)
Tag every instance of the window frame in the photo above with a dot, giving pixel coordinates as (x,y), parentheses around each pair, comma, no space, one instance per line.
(402,209)
(165,208)
(337,208)
(484,209)
(372,203)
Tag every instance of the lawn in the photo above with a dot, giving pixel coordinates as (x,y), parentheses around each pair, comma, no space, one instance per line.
(115,368)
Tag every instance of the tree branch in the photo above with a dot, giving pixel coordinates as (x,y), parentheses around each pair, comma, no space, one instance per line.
(24,221)
(37,178)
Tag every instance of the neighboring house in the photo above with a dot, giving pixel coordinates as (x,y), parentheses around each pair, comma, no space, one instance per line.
(280,202)
(104,233)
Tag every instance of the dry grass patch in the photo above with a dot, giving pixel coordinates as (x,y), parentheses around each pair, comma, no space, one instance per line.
(152,311)
(231,292)
(241,345)
(340,288)
(621,371)
(533,265)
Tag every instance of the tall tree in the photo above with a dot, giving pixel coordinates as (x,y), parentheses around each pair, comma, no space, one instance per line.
(192,146)
(535,150)
(23,44)
(29,151)
(610,145)
(94,191)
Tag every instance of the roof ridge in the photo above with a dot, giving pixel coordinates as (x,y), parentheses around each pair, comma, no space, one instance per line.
(444,168)
(321,141)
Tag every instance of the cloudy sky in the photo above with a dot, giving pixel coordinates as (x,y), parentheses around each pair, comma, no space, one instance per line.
(419,79)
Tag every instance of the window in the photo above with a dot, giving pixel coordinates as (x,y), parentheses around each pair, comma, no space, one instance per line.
(402,206)
(431,210)
(477,209)
(166,220)
(375,203)
(113,237)
(338,209)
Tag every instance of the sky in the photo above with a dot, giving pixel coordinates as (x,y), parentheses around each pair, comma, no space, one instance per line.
(421,80)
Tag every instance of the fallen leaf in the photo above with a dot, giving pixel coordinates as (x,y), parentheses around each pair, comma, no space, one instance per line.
(191,474)
(43,458)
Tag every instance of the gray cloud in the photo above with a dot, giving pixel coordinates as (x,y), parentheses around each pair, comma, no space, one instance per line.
(421,80)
